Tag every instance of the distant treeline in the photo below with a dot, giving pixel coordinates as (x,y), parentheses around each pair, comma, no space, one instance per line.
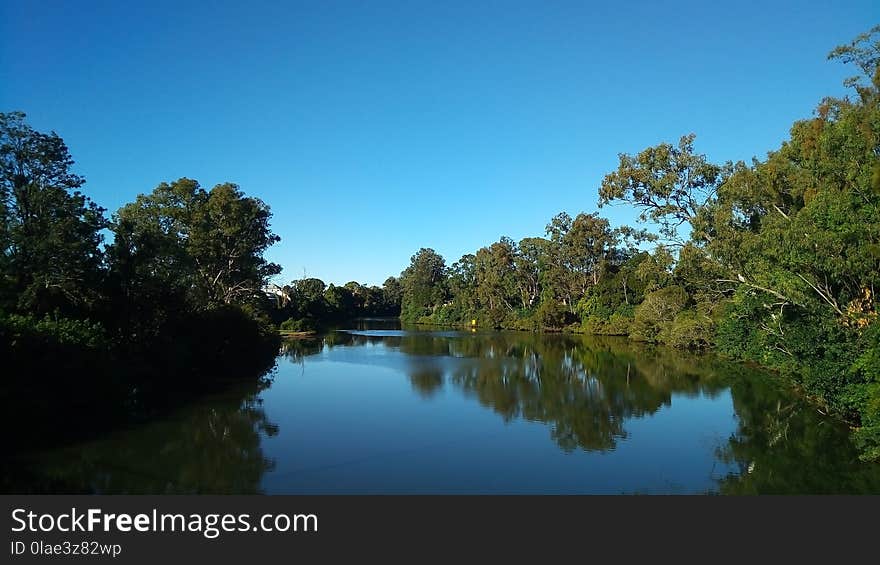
(776,261)
(308,304)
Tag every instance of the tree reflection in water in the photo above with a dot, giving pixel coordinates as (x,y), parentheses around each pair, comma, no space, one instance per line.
(785,446)
(586,388)
(211,447)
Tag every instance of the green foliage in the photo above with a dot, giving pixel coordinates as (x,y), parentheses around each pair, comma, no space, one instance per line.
(615,324)
(862,393)
(174,306)
(667,183)
(226,340)
(49,231)
(550,314)
(579,252)
(311,302)
(540,283)
(392,294)
(656,312)
(206,244)
(303,325)
(52,329)
(340,300)
(495,281)
(689,330)
(423,285)
(864,52)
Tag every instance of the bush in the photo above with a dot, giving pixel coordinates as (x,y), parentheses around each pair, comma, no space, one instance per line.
(656,312)
(57,375)
(446,315)
(47,330)
(550,314)
(521,320)
(619,324)
(213,346)
(689,330)
(867,396)
(735,337)
(607,322)
(301,325)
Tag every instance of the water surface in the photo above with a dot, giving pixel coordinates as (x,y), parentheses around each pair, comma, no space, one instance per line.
(376,409)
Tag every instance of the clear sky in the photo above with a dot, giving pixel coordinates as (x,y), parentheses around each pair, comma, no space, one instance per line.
(375,128)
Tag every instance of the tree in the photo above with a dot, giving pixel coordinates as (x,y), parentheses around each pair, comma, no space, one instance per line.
(578,250)
(495,277)
(864,51)
(657,309)
(209,242)
(340,301)
(231,233)
(307,299)
(392,294)
(423,284)
(462,276)
(557,284)
(374,303)
(588,246)
(531,264)
(360,296)
(50,234)
(668,184)
(152,275)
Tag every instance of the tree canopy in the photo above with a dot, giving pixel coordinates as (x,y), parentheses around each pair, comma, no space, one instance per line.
(51,232)
(210,243)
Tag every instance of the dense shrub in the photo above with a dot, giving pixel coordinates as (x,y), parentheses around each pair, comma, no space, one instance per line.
(51,329)
(301,325)
(551,314)
(690,329)
(656,311)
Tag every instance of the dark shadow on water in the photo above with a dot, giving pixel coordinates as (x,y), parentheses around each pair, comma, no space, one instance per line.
(210,446)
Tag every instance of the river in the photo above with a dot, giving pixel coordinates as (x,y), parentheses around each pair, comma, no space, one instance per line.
(372,408)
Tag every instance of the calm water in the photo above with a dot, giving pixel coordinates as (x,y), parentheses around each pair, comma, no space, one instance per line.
(378,410)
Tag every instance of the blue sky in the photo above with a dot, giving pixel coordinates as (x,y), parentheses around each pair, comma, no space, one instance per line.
(376,128)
